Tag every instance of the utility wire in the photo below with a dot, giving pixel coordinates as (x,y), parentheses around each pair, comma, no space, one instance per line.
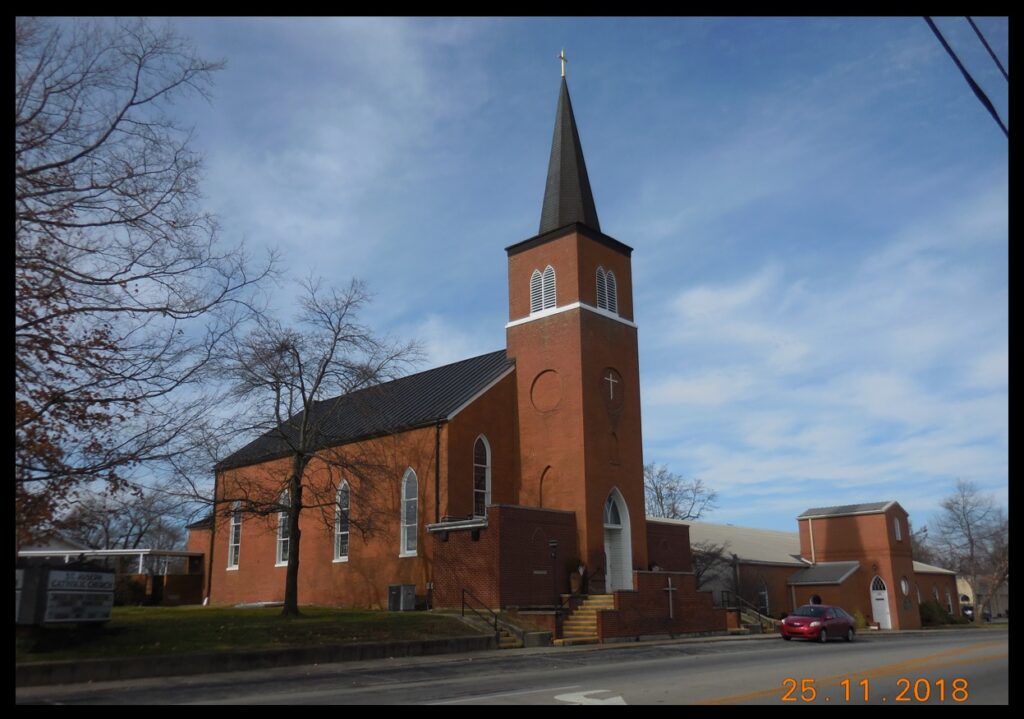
(978,92)
(983,42)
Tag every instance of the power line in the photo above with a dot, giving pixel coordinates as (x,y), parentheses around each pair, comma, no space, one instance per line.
(978,92)
(983,42)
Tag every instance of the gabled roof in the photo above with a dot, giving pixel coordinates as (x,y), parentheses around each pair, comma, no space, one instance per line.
(765,546)
(415,401)
(846,509)
(567,195)
(825,573)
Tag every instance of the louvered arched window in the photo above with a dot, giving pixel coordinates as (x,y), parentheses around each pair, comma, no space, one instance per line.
(607,291)
(409,513)
(282,531)
(542,289)
(341,524)
(481,476)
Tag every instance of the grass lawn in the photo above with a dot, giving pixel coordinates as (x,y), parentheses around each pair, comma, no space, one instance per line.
(172,630)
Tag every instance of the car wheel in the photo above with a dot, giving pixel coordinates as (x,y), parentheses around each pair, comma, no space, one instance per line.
(823,636)
(785,638)
(849,635)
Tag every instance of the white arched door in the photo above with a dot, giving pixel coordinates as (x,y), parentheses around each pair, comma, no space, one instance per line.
(618,550)
(880,603)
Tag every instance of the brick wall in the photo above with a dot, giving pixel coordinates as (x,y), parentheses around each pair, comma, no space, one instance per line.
(668,546)
(509,563)
(645,611)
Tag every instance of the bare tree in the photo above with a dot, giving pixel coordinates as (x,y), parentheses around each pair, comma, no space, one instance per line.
(152,518)
(975,534)
(712,563)
(122,287)
(295,381)
(920,548)
(674,497)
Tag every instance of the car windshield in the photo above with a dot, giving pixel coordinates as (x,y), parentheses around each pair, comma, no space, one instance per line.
(809,611)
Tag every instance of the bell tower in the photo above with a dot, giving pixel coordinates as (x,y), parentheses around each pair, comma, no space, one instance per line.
(572,335)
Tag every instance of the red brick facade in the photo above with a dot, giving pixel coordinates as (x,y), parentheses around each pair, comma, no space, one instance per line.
(508,563)
(880,542)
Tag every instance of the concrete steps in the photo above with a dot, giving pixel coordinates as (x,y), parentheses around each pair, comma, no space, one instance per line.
(580,627)
(508,640)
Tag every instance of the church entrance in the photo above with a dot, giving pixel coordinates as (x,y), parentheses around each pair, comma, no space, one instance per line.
(618,550)
(880,603)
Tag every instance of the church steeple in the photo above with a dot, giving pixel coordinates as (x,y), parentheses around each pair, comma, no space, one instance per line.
(567,195)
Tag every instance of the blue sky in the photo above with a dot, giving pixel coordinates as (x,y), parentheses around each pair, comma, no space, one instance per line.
(818,209)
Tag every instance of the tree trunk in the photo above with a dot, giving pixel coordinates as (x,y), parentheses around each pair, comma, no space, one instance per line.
(291,582)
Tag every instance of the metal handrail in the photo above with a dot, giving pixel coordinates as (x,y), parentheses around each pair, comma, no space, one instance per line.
(742,604)
(569,597)
(465,592)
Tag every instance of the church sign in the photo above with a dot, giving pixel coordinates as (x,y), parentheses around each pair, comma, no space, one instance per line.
(48,595)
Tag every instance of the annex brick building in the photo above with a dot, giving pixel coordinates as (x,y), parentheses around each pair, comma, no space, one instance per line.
(855,556)
(499,476)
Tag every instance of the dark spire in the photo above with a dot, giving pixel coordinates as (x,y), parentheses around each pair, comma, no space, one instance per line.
(567,196)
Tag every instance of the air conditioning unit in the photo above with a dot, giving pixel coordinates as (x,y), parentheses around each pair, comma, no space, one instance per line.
(401,597)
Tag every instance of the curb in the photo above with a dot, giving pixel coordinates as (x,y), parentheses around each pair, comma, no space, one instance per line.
(102,670)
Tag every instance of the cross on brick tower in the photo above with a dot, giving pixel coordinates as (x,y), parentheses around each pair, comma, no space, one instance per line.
(670,589)
(610,379)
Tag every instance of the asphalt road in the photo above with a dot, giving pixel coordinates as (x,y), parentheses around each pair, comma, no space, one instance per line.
(949,667)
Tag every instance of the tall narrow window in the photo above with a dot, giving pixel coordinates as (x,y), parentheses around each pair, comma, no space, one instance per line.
(542,289)
(341,524)
(536,292)
(613,292)
(282,531)
(549,287)
(898,530)
(607,291)
(409,511)
(481,476)
(235,535)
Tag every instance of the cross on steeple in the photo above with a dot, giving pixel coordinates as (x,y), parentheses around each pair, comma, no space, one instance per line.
(562,58)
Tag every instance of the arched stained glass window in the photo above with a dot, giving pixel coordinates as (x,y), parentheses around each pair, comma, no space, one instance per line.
(410,494)
(481,476)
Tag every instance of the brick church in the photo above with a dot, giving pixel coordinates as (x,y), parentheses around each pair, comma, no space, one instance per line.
(507,474)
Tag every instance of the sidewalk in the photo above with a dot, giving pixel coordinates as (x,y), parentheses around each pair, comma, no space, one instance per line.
(102,670)
(97,670)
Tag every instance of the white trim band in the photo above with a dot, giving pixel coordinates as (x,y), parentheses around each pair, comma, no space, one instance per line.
(565,308)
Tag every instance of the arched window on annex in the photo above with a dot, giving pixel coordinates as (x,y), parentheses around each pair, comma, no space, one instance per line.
(341,524)
(282,531)
(542,289)
(235,535)
(481,476)
(607,291)
(410,494)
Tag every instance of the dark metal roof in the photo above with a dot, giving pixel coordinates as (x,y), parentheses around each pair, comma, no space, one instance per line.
(204,523)
(839,511)
(825,573)
(567,195)
(417,400)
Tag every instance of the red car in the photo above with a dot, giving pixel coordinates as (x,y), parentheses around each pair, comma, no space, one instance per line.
(820,622)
